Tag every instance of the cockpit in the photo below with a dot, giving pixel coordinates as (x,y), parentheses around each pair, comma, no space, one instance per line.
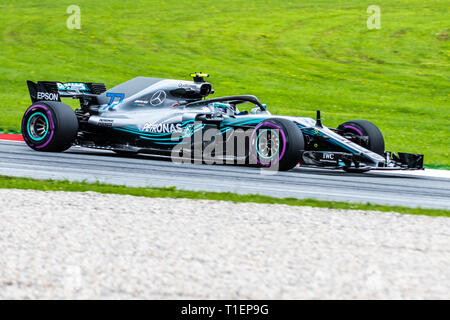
(230,109)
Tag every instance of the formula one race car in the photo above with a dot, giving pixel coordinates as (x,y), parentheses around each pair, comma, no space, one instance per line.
(173,117)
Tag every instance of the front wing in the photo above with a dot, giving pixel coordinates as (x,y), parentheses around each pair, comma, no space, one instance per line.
(358,162)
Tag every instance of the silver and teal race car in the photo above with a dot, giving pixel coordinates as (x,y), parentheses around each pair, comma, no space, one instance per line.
(174,117)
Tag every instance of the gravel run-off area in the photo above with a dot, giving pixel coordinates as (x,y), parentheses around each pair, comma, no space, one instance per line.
(102,246)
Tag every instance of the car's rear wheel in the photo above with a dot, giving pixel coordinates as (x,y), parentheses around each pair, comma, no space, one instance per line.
(49,126)
(276,143)
(361,128)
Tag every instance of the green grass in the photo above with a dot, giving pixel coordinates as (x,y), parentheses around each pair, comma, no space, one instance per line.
(440,167)
(296,56)
(172,192)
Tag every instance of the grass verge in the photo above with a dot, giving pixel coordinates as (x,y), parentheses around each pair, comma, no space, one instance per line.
(439,167)
(172,192)
(296,56)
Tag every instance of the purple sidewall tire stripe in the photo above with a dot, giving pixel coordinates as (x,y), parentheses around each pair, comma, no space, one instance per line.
(270,125)
(354,129)
(50,119)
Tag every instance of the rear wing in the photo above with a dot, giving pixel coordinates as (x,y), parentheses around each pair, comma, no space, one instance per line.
(54,90)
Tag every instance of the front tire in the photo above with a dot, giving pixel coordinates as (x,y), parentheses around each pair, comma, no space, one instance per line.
(49,126)
(365,128)
(276,143)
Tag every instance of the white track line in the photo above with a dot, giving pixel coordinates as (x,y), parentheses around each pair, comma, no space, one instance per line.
(444,174)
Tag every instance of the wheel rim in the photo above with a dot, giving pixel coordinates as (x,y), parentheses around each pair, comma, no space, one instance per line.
(267,143)
(37,126)
(255,153)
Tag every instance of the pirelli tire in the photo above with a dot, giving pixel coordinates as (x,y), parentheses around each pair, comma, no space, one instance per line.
(49,126)
(365,128)
(277,144)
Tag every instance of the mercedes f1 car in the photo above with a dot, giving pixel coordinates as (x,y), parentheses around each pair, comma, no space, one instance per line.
(158,116)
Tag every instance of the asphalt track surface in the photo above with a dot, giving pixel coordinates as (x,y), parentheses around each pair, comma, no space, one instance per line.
(77,164)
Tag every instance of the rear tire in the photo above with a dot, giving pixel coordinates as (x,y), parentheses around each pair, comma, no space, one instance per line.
(276,143)
(49,126)
(365,128)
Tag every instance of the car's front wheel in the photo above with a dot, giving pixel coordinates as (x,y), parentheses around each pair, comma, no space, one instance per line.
(276,143)
(364,128)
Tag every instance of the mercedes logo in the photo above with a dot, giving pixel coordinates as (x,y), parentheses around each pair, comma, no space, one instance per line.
(158,98)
